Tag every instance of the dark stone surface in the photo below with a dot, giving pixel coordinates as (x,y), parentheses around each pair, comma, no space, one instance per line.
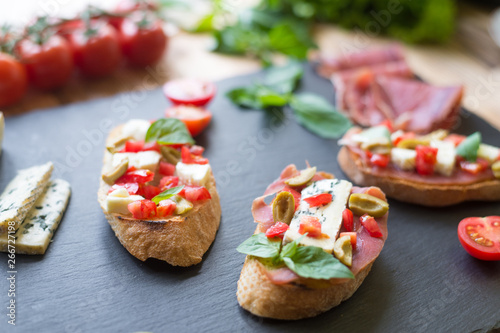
(423,280)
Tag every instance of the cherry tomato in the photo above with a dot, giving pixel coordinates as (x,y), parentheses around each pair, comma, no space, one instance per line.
(474,167)
(142,209)
(132,146)
(132,188)
(277,230)
(319,199)
(311,225)
(348,220)
(99,54)
(149,191)
(189,91)
(195,118)
(142,44)
(371,226)
(13,80)
(165,208)
(188,158)
(196,150)
(49,65)
(480,237)
(426,159)
(195,193)
(169,182)
(353,236)
(136,176)
(166,169)
(380,160)
(455,138)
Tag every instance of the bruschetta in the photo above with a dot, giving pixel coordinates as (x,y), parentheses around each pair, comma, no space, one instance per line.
(158,192)
(314,244)
(437,169)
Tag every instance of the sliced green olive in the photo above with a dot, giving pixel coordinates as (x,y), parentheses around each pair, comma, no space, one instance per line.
(115,145)
(303,178)
(116,172)
(342,249)
(439,134)
(183,206)
(496,169)
(283,207)
(170,154)
(360,204)
(379,146)
(413,143)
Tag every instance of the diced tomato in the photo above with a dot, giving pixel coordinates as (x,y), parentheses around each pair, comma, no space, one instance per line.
(165,208)
(277,230)
(197,150)
(151,146)
(348,220)
(474,167)
(311,225)
(188,158)
(380,160)
(354,238)
(142,209)
(426,159)
(131,188)
(371,226)
(455,138)
(405,136)
(375,192)
(168,182)
(368,154)
(319,199)
(480,237)
(167,169)
(136,176)
(149,191)
(387,123)
(133,147)
(195,193)
(296,195)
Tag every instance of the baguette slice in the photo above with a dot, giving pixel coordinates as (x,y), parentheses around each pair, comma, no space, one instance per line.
(437,195)
(179,240)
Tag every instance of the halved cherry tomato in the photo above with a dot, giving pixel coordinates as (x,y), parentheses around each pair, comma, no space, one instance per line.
(319,199)
(296,195)
(188,158)
(166,169)
(474,167)
(136,176)
(13,80)
(348,220)
(311,225)
(142,209)
(371,226)
(277,230)
(189,91)
(132,146)
(426,159)
(380,160)
(387,123)
(132,188)
(195,193)
(354,238)
(149,191)
(455,138)
(195,118)
(169,182)
(165,208)
(480,237)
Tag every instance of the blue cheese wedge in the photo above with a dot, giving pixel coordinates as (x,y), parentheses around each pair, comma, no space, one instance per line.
(21,193)
(37,229)
(193,174)
(330,215)
(136,128)
(446,156)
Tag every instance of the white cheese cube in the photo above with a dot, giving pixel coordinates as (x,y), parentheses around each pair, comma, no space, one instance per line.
(136,128)
(446,155)
(404,158)
(193,174)
(118,200)
(489,153)
(146,160)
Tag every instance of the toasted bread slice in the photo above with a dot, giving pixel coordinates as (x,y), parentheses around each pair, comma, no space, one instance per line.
(434,195)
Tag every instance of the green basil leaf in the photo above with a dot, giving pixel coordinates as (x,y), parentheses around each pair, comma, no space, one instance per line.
(469,147)
(267,97)
(169,131)
(289,41)
(257,97)
(284,79)
(317,115)
(260,246)
(167,194)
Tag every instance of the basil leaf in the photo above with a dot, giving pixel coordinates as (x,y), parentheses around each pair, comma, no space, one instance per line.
(267,97)
(169,131)
(313,262)
(167,194)
(260,246)
(257,97)
(284,79)
(469,147)
(289,41)
(317,115)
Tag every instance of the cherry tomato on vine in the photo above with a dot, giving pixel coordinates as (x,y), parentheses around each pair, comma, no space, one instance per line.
(189,91)
(13,80)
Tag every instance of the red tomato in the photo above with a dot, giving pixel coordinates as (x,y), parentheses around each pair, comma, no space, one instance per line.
(455,138)
(354,238)
(165,208)
(151,146)
(296,195)
(375,192)
(426,159)
(136,176)
(480,237)
(13,80)
(371,226)
(132,188)
(277,230)
(197,150)
(149,191)
(195,193)
(49,65)
(142,209)
(66,28)
(348,220)
(169,182)
(405,136)
(142,45)
(132,147)
(189,91)
(387,123)
(167,169)
(311,225)
(319,199)
(196,119)
(380,160)
(474,167)
(188,158)
(98,55)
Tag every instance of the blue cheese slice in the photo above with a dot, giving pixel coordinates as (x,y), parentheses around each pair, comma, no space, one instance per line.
(330,215)
(37,229)
(21,193)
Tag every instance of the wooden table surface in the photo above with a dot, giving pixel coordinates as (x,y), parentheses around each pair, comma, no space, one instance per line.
(471,59)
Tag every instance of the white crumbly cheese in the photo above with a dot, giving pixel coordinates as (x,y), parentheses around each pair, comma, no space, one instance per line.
(136,128)
(2,128)
(489,153)
(446,156)
(21,193)
(37,229)
(329,215)
(118,200)
(404,158)
(193,174)
(141,160)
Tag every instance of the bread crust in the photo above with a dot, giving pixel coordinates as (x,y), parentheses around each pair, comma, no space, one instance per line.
(179,240)
(417,193)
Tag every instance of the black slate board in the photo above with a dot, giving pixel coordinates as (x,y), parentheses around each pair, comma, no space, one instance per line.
(422,282)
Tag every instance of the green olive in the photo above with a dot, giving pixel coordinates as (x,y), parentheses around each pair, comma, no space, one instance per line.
(183,206)
(303,178)
(439,134)
(170,154)
(342,249)
(115,145)
(379,146)
(413,143)
(116,172)
(283,207)
(496,169)
(360,204)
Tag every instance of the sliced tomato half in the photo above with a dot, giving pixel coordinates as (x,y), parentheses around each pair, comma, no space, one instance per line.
(195,118)
(189,91)
(480,237)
